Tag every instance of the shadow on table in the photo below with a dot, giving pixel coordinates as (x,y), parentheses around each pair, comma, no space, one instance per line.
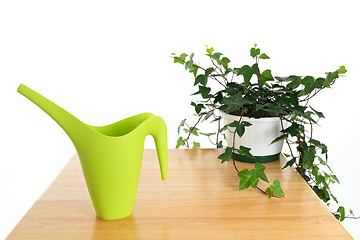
(115,229)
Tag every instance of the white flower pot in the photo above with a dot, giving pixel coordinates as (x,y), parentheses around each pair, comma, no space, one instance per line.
(258,137)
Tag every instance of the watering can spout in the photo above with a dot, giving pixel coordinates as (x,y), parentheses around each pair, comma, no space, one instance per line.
(70,124)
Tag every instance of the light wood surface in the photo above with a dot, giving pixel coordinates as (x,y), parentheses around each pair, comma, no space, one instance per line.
(200,200)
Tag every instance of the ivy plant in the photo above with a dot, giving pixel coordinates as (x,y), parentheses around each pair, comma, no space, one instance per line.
(246,91)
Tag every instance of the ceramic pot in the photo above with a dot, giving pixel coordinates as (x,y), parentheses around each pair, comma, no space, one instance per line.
(258,137)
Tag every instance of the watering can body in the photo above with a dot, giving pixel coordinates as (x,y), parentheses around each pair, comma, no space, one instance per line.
(111,155)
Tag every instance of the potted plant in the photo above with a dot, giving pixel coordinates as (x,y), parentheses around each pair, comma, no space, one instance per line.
(261,112)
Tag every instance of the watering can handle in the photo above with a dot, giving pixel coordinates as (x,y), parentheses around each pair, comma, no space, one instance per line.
(157,129)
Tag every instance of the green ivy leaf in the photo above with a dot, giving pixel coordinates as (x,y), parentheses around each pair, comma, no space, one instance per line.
(244,175)
(334,198)
(193,69)
(204,91)
(270,107)
(208,115)
(254,182)
(319,114)
(294,83)
(224,128)
(270,192)
(351,212)
(240,130)
(200,79)
(330,77)
(334,177)
(319,82)
(342,70)
(180,142)
(177,60)
(265,76)
(259,172)
(189,64)
(255,69)
(196,145)
(226,156)
(233,102)
(247,180)
(244,151)
(209,70)
(180,59)
(216,56)
(259,107)
(207,134)
(294,129)
(218,97)
(318,177)
(182,123)
(309,157)
(240,127)
(288,79)
(289,163)
(198,107)
(183,56)
(193,130)
(234,124)
(209,50)
(264,56)
(245,123)
(320,145)
(341,210)
(251,178)
(225,61)
(254,52)
(286,155)
(275,189)
(247,72)
(321,192)
(280,138)
(310,83)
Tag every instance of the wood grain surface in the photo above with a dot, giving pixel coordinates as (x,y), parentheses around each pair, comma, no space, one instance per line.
(200,200)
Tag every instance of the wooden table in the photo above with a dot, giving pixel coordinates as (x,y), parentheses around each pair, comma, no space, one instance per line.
(200,200)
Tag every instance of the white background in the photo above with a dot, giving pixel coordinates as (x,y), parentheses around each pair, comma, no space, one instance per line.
(107,60)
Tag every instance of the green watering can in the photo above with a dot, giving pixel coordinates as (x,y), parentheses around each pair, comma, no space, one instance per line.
(111,155)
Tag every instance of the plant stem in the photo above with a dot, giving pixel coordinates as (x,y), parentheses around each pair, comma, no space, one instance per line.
(218,132)
(235,166)
(266,192)
(232,77)
(308,97)
(301,162)
(350,217)
(192,128)
(217,67)
(287,142)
